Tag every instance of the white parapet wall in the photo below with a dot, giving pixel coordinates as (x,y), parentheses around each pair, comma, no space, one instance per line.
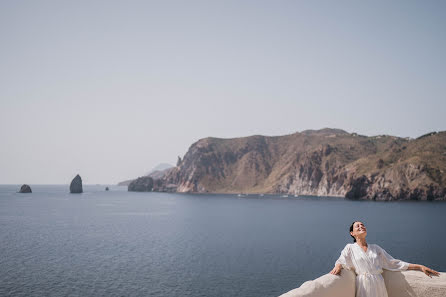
(398,284)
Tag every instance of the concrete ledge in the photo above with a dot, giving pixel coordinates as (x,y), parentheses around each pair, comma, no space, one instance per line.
(398,284)
(414,284)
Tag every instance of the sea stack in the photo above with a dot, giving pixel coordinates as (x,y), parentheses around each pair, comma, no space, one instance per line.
(25,189)
(76,185)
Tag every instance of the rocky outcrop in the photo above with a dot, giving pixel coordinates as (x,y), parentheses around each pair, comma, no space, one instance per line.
(76,185)
(398,284)
(25,189)
(141,184)
(149,184)
(327,162)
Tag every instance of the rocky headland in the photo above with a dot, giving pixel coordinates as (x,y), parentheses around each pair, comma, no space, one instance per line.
(154,182)
(326,162)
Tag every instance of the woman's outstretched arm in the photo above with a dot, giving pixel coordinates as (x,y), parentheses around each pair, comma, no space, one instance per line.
(428,271)
(344,261)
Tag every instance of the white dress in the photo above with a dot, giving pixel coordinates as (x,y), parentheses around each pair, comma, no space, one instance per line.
(368,267)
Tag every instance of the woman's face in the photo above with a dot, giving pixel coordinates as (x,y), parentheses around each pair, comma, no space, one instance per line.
(359,230)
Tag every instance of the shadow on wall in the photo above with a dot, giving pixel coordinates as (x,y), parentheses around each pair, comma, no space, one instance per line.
(398,284)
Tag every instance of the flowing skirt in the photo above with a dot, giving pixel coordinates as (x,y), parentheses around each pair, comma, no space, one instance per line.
(370,285)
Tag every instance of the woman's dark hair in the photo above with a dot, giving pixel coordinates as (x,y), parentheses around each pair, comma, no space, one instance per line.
(351,230)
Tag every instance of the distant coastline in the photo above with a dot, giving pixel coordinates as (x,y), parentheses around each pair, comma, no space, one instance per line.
(326,162)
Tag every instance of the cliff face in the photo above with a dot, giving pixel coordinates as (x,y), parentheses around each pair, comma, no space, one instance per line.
(327,162)
(153,182)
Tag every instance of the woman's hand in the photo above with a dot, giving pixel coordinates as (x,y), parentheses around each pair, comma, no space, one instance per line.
(337,269)
(429,271)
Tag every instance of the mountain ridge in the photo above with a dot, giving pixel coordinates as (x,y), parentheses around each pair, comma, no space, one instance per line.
(325,162)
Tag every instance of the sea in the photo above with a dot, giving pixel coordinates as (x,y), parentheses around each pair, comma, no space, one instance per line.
(120,243)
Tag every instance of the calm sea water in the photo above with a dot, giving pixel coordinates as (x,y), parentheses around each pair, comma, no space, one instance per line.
(119,243)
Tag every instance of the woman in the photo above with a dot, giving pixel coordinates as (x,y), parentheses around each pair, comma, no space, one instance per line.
(368,261)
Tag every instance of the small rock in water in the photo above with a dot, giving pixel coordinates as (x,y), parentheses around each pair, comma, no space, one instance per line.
(25,189)
(76,185)
(106,188)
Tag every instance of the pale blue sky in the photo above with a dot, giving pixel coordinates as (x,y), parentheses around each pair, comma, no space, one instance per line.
(109,89)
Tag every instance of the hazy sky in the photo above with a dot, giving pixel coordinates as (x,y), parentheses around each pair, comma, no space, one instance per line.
(109,89)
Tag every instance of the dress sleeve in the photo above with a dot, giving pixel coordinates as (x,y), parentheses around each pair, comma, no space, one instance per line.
(345,259)
(389,263)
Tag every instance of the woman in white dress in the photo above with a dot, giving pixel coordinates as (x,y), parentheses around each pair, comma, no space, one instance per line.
(368,262)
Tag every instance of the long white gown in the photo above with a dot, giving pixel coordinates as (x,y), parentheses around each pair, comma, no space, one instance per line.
(368,267)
